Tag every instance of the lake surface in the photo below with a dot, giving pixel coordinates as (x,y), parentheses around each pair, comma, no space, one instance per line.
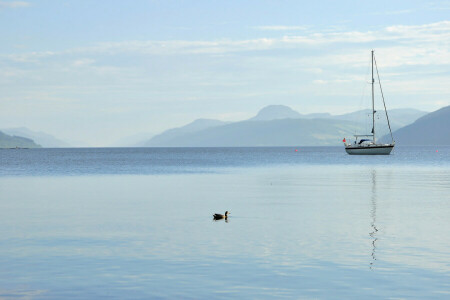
(136,223)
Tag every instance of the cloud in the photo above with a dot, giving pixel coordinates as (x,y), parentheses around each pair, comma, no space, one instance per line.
(31,56)
(427,47)
(280,28)
(319,81)
(83,62)
(393,56)
(442,103)
(431,39)
(434,33)
(441,5)
(395,12)
(411,30)
(14,4)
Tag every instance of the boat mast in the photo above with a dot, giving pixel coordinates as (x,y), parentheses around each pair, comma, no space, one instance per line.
(373,104)
(382,97)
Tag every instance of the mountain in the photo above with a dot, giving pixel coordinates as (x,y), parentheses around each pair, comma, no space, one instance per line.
(431,129)
(8,141)
(284,132)
(275,112)
(398,117)
(172,134)
(401,117)
(43,139)
(278,125)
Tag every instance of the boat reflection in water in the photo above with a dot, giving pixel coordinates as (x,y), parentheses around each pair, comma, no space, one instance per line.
(373,215)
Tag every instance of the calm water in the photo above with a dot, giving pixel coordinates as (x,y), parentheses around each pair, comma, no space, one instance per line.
(136,223)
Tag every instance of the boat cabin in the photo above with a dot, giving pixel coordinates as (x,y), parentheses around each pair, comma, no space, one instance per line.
(362,140)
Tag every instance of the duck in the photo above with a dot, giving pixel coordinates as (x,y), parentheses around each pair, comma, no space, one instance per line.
(220,216)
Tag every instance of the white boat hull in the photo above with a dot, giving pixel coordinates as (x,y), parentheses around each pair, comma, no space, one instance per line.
(379,149)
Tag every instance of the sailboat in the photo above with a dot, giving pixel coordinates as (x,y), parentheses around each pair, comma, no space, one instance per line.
(366,144)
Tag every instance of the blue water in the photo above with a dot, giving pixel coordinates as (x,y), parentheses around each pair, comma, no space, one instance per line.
(143,161)
(136,223)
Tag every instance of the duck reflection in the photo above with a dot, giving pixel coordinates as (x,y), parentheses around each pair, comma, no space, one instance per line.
(219,220)
(373,215)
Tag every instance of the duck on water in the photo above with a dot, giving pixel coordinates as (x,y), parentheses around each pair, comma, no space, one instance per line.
(220,216)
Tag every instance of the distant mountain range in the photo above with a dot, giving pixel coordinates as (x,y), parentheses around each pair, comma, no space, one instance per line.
(431,129)
(41,138)
(278,125)
(281,132)
(276,112)
(175,134)
(8,141)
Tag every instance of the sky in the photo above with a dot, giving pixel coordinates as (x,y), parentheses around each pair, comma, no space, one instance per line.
(94,72)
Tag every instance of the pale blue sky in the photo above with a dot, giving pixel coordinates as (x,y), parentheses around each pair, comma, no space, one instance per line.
(97,71)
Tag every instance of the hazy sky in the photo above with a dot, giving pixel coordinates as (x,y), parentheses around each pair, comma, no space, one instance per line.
(97,71)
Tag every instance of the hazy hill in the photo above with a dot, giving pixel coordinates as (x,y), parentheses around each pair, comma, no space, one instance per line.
(284,132)
(431,129)
(275,125)
(274,112)
(170,135)
(41,138)
(8,141)
(398,117)
(278,112)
